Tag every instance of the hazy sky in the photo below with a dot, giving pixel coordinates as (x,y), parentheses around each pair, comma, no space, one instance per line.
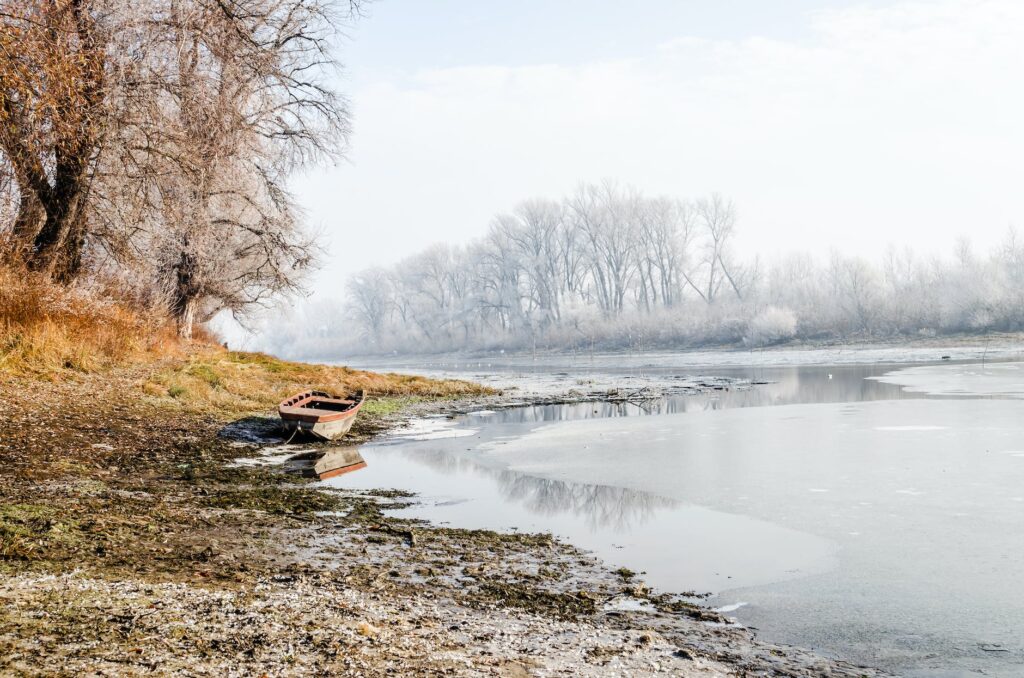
(831,124)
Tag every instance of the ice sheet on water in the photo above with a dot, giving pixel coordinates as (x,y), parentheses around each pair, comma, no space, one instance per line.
(923,499)
(1004,380)
(433,428)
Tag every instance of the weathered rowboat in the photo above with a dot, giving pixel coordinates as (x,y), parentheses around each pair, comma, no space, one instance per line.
(326,464)
(320,414)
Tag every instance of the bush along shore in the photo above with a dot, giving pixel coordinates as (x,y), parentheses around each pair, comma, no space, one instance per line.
(130,544)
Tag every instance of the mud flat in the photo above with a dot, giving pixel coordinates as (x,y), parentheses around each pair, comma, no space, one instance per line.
(131,543)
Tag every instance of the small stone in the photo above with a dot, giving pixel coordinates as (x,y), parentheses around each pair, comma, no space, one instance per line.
(367,629)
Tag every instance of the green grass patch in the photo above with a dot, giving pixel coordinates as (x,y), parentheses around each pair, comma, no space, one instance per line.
(267,363)
(206,374)
(388,405)
(27,530)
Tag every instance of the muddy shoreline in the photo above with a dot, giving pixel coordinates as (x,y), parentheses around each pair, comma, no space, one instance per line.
(132,545)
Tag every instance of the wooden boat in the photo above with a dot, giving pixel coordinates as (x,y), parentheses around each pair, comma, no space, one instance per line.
(320,414)
(327,464)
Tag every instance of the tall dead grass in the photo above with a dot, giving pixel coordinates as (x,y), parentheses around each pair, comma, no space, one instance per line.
(46,328)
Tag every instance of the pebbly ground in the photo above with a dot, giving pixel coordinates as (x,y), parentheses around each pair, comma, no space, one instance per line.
(131,545)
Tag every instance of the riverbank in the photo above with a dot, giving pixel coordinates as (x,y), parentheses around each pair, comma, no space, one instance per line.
(961,347)
(130,543)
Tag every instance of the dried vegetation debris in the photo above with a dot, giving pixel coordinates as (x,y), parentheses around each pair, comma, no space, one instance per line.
(312,624)
(130,546)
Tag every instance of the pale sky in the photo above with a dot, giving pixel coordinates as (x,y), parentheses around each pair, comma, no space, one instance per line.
(832,124)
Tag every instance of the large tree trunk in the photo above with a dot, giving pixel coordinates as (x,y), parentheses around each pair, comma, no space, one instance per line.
(185,300)
(50,229)
(67,101)
(57,248)
(185,316)
(69,262)
(30,219)
(27,224)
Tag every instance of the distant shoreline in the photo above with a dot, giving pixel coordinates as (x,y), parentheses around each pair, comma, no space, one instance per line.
(958,348)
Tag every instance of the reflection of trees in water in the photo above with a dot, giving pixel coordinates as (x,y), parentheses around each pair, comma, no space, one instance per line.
(602,506)
(787,386)
(574,411)
(823,384)
(617,508)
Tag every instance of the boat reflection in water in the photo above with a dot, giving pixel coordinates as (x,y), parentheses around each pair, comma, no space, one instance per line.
(324,464)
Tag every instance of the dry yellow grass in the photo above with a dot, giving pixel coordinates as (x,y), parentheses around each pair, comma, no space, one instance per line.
(46,328)
(224,382)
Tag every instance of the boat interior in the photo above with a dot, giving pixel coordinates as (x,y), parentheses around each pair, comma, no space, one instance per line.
(330,404)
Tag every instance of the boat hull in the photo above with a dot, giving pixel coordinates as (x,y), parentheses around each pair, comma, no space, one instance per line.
(319,415)
(323,430)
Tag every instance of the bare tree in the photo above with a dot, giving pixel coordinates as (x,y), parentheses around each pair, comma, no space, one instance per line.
(666,234)
(529,241)
(500,275)
(248,106)
(571,252)
(855,289)
(54,75)
(372,300)
(164,132)
(718,217)
(608,221)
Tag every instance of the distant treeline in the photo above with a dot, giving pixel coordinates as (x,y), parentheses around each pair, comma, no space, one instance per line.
(613,268)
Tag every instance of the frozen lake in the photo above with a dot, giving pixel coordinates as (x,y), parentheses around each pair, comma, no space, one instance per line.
(874,513)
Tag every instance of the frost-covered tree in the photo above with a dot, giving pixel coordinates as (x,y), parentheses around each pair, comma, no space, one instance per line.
(610,267)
